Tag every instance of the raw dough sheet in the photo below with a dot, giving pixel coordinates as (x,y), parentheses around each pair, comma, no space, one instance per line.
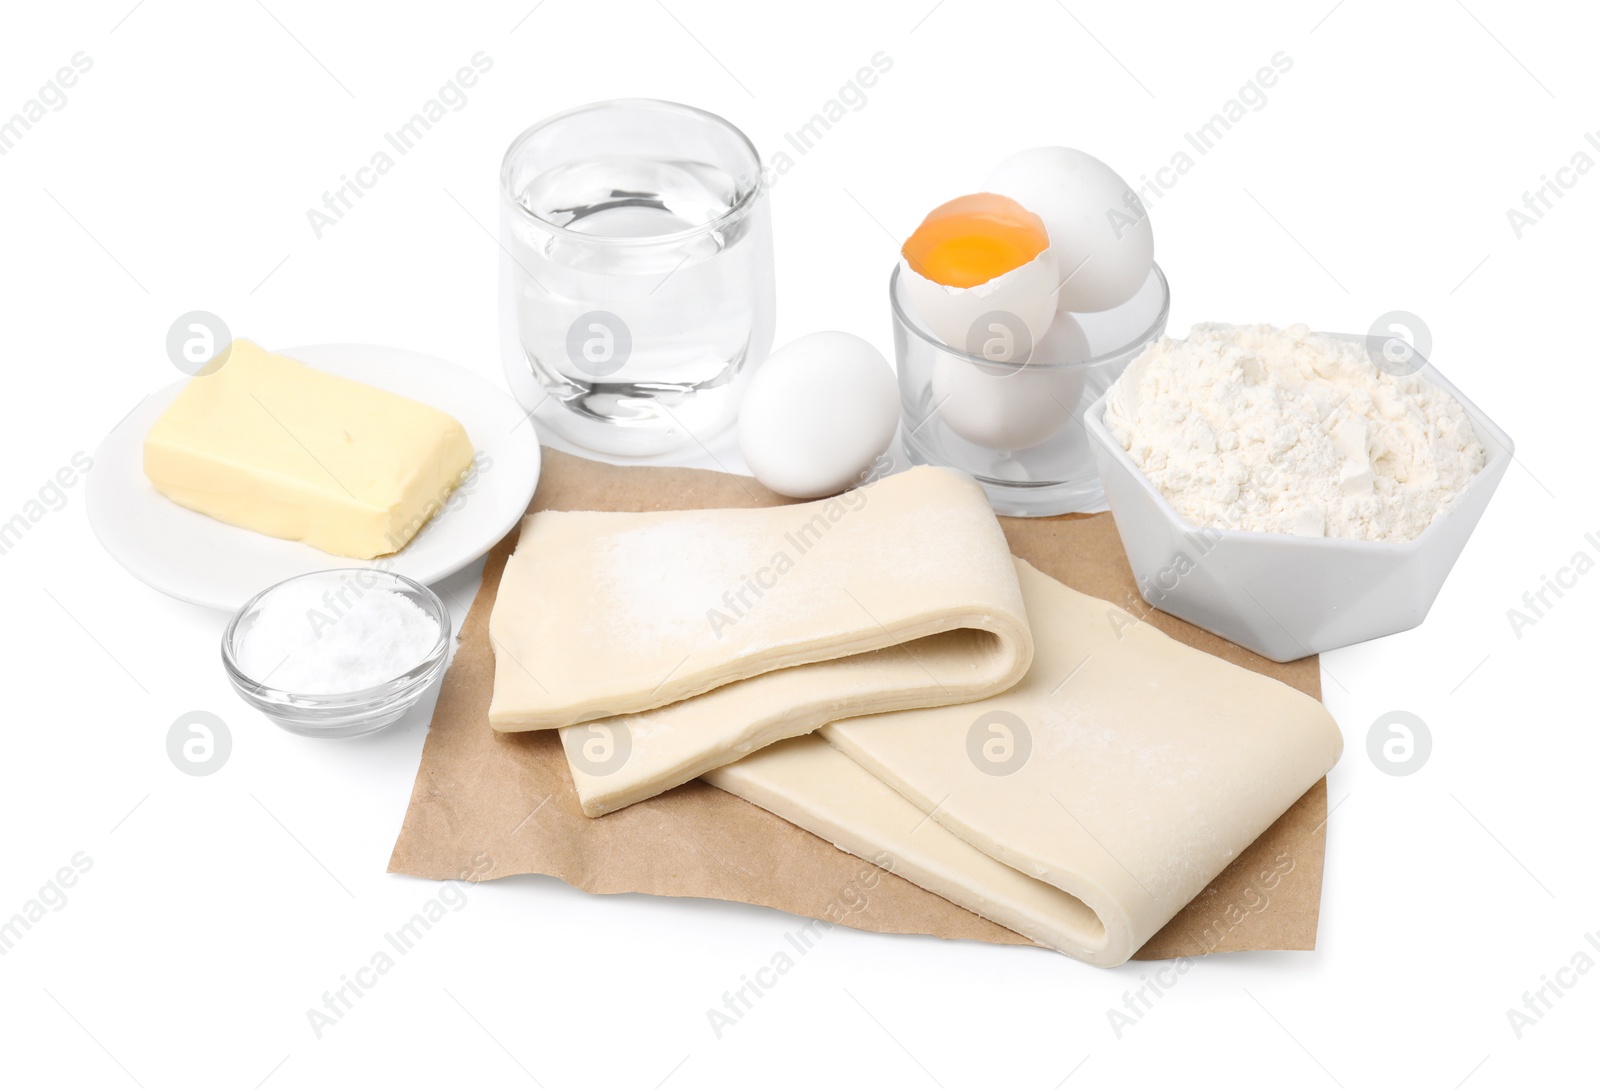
(1114,783)
(682,641)
(496,804)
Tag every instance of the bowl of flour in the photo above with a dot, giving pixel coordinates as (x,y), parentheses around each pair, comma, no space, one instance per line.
(1290,490)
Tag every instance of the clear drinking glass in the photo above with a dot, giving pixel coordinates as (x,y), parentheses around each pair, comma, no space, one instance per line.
(637,290)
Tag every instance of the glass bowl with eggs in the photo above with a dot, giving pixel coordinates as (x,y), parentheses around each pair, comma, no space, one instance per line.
(1014,308)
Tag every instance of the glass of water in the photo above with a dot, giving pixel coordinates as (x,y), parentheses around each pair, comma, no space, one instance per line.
(637,291)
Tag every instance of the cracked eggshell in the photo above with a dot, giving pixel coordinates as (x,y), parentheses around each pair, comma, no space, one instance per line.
(817,414)
(1096,223)
(964,317)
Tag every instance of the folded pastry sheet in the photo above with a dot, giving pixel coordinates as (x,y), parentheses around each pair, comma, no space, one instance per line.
(808,782)
(670,643)
(1113,783)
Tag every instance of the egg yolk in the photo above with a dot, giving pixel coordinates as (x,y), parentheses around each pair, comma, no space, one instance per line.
(971,240)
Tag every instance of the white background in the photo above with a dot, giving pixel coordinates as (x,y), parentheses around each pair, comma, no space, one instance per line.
(218,909)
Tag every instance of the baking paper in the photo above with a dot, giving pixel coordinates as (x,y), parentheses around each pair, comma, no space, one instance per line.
(494,804)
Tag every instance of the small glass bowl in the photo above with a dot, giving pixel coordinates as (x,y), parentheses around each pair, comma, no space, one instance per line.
(1037,407)
(344,714)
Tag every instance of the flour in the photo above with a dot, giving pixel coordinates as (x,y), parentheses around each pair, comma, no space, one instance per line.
(1288,431)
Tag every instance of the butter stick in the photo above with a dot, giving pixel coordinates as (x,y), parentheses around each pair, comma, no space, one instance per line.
(270,444)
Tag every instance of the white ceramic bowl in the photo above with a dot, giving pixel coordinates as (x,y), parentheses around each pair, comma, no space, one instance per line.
(1285,597)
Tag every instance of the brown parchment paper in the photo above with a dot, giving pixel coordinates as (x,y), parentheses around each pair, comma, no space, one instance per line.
(492,805)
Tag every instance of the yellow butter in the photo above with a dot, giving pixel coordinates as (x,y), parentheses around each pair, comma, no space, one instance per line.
(270,444)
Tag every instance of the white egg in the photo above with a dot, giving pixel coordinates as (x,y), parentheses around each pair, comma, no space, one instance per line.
(1099,230)
(1013,407)
(817,414)
(1000,319)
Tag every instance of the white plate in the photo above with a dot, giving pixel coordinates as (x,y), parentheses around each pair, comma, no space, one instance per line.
(199,559)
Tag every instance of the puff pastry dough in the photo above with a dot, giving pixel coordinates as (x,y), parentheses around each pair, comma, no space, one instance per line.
(700,636)
(1126,769)
(808,782)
